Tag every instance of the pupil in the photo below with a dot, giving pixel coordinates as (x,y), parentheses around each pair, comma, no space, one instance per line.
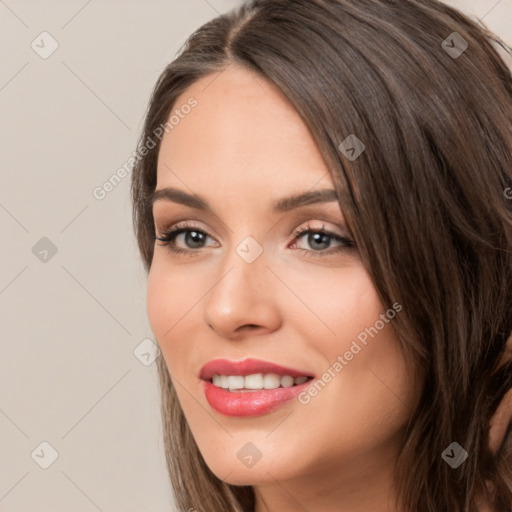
(317,238)
(191,235)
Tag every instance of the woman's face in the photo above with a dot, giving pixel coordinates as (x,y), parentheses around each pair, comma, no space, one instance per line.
(249,288)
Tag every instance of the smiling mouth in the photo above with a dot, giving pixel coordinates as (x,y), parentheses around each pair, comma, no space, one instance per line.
(256,382)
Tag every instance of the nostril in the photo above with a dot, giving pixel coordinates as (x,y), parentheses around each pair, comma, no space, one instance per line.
(249,327)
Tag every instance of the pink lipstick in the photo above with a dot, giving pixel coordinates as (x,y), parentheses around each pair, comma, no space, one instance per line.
(250,387)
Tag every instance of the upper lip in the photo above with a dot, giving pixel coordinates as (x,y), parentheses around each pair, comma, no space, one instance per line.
(246,367)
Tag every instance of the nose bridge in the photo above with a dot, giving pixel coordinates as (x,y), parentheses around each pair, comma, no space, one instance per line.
(242,273)
(242,290)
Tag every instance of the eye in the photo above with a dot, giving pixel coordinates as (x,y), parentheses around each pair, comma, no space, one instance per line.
(321,239)
(194,238)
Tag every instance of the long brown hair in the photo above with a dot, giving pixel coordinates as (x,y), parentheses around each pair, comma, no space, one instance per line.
(426,201)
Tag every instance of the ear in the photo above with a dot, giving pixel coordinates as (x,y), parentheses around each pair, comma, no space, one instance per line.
(503,416)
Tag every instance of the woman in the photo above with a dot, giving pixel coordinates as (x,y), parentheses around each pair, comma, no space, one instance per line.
(322,200)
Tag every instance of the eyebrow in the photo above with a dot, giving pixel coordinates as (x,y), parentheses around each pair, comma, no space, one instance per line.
(282,205)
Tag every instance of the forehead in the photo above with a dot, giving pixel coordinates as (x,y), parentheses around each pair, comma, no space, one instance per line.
(242,136)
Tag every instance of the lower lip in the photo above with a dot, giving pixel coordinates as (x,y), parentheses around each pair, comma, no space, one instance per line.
(249,403)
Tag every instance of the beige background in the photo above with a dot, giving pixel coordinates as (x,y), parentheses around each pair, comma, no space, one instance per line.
(75,369)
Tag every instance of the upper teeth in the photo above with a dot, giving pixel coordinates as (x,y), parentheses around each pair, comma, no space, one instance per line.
(256,381)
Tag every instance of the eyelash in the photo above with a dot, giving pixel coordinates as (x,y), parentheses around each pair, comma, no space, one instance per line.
(168,236)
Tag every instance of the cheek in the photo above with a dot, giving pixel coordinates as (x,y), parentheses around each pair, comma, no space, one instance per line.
(372,385)
(345,304)
(171,290)
(158,301)
(170,296)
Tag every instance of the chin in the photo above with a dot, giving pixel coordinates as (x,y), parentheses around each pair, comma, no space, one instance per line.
(250,476)
(234,472)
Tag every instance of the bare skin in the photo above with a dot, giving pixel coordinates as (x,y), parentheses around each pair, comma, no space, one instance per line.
(242,147)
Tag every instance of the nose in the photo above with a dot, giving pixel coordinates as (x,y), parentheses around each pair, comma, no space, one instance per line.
(243,299)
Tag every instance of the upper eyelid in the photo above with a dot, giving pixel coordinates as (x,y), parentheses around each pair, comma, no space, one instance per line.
(324,210)
(305,226)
